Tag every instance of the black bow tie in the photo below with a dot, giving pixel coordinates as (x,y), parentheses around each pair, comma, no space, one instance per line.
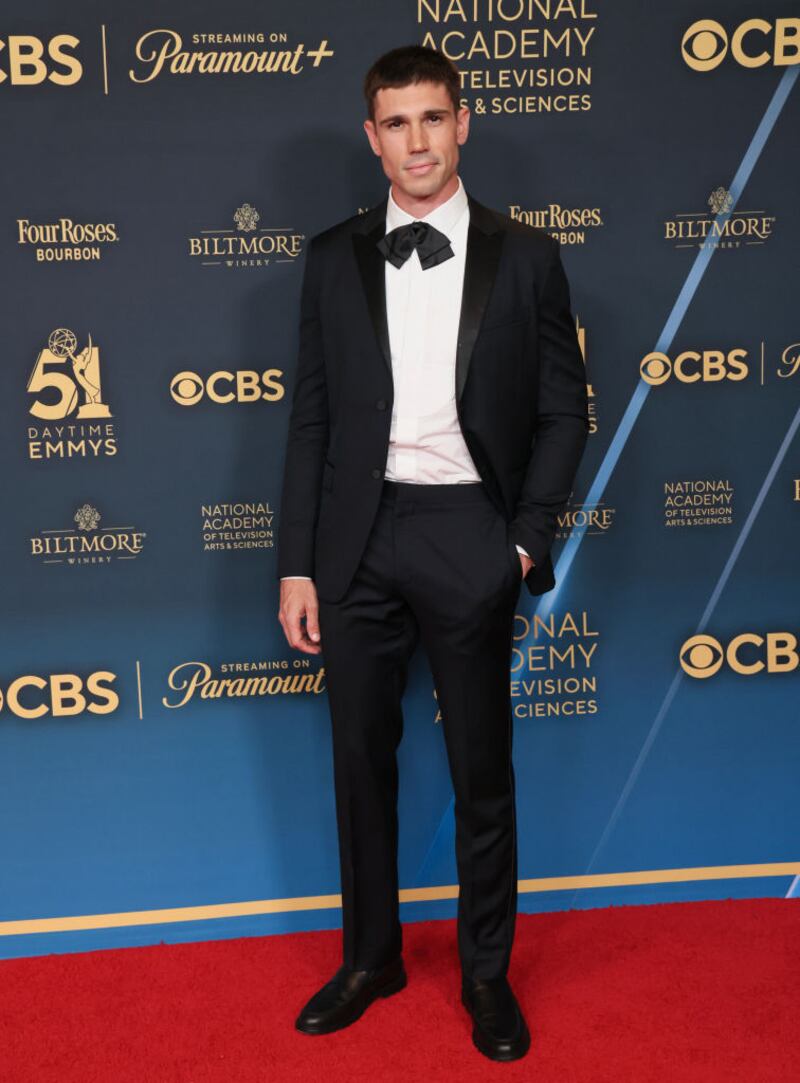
(433,247)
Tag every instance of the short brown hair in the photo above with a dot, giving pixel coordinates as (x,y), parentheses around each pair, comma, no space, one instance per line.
(411,64)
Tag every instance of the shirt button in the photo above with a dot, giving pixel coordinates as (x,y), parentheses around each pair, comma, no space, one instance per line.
(377,473)
(381,404)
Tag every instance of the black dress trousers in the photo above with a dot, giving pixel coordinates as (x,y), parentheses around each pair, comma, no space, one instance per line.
(439,565)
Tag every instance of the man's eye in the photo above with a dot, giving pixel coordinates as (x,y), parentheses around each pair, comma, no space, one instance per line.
(435,117)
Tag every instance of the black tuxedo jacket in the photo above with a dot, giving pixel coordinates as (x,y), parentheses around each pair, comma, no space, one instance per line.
(520,390)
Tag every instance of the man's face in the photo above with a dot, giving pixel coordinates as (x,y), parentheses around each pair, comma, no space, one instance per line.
(417,135)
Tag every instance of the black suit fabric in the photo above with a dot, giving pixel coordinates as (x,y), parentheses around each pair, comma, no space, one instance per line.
(397,563)
(520,391)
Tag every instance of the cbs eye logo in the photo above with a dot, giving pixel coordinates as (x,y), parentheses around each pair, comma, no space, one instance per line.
(705,44)
(702,656)
(187,388)
(710,366)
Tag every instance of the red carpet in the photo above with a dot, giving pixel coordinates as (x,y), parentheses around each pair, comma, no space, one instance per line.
(680,992)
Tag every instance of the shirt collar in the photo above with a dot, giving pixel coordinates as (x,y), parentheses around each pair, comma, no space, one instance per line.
(444,217)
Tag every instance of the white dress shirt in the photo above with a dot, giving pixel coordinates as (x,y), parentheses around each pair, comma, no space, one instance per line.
(423,307)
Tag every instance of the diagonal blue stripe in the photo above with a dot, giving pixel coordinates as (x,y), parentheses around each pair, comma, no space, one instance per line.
(637,400)
(709,609)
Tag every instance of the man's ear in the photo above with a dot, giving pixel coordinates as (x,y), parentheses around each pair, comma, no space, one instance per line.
(372,136)
(462,125)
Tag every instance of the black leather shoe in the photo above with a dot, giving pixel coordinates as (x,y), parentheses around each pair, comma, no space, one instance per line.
(500,1030)
(347,995)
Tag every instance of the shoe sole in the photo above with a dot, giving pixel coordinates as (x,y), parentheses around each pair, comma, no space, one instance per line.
(386,990)
(489,1050)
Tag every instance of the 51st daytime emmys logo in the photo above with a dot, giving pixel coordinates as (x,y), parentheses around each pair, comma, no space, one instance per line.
(66,383)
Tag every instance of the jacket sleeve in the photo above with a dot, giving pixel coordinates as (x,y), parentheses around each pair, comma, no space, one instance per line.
(307,439)
(562,421)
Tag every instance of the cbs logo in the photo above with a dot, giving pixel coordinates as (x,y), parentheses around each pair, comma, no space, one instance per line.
(61,694)
(27,65)
(705,44)
(710,366)
(187,388)
(702,656)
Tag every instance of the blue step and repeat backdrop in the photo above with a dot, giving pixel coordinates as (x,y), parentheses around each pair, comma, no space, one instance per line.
(165,761)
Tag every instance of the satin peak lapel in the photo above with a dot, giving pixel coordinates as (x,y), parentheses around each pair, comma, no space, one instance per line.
(484,244)
(372,267)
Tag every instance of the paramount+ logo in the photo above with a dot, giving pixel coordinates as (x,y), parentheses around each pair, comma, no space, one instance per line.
(702,656)
(223,387)
(693,366)
(61,695)
(752,44)
(26,60)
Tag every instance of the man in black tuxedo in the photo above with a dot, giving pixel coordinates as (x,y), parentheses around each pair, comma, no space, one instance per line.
(438,418)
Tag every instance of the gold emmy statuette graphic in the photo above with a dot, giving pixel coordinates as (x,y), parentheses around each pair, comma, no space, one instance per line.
(61,345)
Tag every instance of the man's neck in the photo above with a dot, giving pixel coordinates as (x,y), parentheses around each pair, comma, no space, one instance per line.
(418,208)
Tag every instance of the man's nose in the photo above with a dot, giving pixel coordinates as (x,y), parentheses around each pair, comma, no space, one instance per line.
(417,138)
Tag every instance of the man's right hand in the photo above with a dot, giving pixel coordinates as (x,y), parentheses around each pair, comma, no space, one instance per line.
(299,600)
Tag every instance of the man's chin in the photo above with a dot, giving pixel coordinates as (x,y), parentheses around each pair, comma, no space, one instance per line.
(422,187)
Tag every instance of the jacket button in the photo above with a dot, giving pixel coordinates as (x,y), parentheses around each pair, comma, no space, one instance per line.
(381,404)
(377,473)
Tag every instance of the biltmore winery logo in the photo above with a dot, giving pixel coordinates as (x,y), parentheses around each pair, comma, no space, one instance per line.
(245,244)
